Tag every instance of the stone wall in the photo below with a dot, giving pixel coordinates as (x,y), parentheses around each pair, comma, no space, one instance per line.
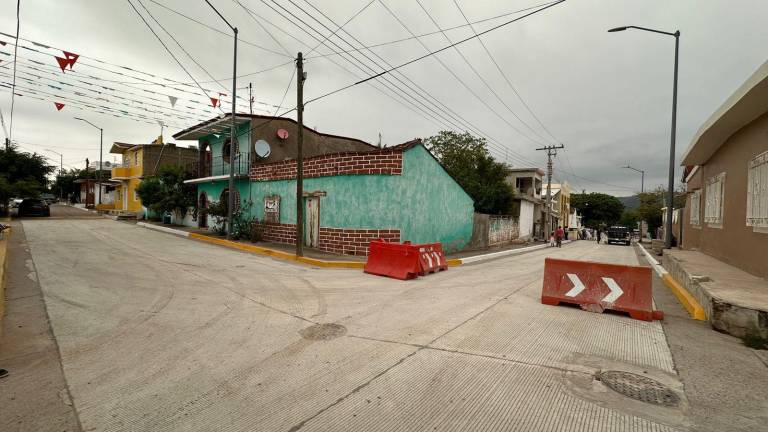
(343,241)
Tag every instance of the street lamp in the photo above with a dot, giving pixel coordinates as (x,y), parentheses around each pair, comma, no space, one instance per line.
(671,186)
(233,130)
(101,145)
(61,171)
(642,177)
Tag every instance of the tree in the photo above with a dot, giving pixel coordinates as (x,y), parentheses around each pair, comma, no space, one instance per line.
(629,218)
(467,160)
(597,208)
(651,204)
(167,192)
(22,174)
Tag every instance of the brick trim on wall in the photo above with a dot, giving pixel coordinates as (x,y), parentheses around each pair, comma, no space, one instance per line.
(343,241)
(380,162)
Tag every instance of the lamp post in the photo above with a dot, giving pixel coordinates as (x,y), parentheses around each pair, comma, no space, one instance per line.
(642,177)
(233,129)
(101,156)
(61,170)
(671,186)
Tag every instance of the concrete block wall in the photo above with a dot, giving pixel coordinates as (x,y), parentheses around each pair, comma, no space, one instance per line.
(386,162)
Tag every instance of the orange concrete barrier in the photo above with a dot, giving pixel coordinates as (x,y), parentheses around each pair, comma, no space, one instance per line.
(431,258)
(396,260)
(598,286)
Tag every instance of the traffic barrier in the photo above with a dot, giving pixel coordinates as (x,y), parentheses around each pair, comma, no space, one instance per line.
(598,286)
(396,260)
(431,258)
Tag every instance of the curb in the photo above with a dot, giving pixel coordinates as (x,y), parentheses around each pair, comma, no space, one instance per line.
(255,249)
(3,255)
(689,302)
(494,255)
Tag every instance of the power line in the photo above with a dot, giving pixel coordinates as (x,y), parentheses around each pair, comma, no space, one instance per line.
(504,74)
(488,86)
(419,90)
(219,31)
(13,90)
(392,42)
(263,27)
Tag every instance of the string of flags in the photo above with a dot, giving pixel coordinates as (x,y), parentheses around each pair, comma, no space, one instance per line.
(59,106)
(69,59)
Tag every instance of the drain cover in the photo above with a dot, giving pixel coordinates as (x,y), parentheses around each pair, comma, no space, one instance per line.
(323,331)
(639,387)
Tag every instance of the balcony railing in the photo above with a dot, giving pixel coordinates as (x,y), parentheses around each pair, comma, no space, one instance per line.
(219,165)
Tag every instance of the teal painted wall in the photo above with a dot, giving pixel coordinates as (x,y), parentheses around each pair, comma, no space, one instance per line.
(425,203)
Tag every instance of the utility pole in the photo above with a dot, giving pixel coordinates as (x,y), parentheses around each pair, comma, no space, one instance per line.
(300,155)
(642,176)
(61,171)
(233,129)
(250,97)
(551,151)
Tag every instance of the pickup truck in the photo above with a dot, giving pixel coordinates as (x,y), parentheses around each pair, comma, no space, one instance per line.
(619,234)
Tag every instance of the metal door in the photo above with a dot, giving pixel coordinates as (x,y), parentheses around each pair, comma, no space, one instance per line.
(312,222)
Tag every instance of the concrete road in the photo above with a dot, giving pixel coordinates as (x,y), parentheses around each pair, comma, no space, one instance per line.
(167,334)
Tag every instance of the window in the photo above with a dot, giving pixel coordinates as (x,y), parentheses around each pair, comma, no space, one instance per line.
(757,191)
(136,158)
(715,191)
(226,149)
(695,217)
(135,195)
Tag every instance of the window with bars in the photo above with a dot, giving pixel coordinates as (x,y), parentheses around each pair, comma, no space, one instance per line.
(695,218)
(757,191)
(715,191)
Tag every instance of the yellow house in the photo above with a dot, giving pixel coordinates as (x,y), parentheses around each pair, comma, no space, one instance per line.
(563,204)
(140,161)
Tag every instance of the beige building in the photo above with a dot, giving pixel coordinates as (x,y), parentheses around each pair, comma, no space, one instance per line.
(562,202)
(726,212)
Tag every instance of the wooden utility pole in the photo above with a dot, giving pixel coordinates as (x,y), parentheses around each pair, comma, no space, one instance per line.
(250,96)
(300,155)
(551,151)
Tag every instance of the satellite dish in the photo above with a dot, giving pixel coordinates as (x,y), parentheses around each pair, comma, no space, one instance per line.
(282,133)
(262,149)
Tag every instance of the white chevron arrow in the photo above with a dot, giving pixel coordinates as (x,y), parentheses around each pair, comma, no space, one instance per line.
(615,293)
(577,286)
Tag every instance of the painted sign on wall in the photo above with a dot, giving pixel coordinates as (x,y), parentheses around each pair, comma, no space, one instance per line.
(272,208)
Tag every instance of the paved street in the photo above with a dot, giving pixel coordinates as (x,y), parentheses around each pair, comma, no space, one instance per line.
(152,340)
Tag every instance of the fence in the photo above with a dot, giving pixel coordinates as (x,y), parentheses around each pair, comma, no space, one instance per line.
(493,231)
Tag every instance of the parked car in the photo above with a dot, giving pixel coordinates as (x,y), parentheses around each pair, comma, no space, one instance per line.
(49,198)
(33,207)
(15,202)
(619,234)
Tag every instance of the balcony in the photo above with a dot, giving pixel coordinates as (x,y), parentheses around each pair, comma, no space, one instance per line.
(125,171)
(219,166)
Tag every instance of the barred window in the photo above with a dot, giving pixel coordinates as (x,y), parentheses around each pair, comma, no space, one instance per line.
(695,218)
(715,191)
(757,191)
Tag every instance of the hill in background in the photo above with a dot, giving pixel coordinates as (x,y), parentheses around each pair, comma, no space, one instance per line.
(630,202)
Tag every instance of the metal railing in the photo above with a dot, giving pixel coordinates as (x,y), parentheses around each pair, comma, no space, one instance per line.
(220,165)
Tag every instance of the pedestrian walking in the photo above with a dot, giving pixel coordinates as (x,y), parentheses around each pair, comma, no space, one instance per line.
(552,238)
(599,234)
(559,234)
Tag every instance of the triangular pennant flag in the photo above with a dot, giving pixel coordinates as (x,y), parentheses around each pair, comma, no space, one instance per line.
(59,106)
(2,43)
(72,57)
(62,62)
(173,100)
(214,102)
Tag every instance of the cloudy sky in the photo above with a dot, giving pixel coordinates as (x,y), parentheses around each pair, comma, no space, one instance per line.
(605,96)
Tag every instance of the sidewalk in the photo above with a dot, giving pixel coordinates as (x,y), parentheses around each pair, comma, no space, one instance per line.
(735,301)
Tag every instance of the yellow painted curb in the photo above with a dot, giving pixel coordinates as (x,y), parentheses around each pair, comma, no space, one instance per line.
(686,299)
(453,262)
(277,254)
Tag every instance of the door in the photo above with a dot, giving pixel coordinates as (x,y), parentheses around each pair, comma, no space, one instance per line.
(124,193)
(202,211)
(312,222)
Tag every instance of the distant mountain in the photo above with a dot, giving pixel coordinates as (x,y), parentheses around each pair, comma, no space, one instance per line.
(630,202)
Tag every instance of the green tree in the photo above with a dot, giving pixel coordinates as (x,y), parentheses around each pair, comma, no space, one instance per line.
(22,174)
(629,218)
(651,204)
(467,160)
(597,208)
(167,192)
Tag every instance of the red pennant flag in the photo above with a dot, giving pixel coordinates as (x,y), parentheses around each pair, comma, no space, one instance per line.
(59,106)
(2,43)
(214,102)
(72,57)
(63,63)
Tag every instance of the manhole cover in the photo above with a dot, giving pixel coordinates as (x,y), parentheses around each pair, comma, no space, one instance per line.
(323,331)
(639,388)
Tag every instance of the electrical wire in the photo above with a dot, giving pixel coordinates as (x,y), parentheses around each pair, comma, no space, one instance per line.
(15,50)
